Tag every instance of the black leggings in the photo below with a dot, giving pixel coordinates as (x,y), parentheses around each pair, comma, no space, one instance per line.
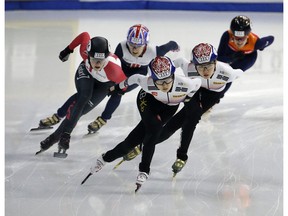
(154,114)
(90,92)
(188,118)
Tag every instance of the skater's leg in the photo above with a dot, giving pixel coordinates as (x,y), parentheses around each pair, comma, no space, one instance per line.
(111,106)
(62,111)
(134,138)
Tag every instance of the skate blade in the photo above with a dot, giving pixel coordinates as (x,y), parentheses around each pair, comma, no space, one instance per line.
(89,134)
(118,164)
(138,186)
(39,152)
(41,128)
(60,154)
(86,178)
(174,175)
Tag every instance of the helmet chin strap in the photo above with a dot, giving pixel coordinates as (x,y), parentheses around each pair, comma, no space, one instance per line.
(89,61)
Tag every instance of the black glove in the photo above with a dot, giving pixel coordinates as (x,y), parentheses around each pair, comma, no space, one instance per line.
(116,90)
(174,47)
(64,54)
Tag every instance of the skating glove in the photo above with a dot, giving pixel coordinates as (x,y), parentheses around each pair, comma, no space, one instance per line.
(116,90)
(64,54)
(265,42)
(174,47)
(170,46)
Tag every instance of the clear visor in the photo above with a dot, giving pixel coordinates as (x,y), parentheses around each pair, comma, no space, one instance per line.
(134,45)
(207,66)
(96,59)
(168,80)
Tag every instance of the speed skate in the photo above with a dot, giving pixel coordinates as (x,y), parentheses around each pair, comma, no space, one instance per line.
(61,153)
(41,128)
(89,133)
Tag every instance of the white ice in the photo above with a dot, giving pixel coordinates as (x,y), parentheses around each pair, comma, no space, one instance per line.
(235,164)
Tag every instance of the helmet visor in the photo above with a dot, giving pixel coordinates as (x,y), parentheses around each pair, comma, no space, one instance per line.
(167,81)
(134,45)
(95,60)
(207,66)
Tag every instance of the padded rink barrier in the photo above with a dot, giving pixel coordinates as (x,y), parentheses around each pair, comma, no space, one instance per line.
(251,6)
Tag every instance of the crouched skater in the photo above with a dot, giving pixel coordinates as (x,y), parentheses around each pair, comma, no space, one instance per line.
(215,77)
(157,102)
(99,70)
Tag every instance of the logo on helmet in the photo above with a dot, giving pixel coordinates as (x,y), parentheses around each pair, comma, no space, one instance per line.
(202,52)
(240,26)
(161,67)
(239,33)
(138,35)
(99,56)
(135,40)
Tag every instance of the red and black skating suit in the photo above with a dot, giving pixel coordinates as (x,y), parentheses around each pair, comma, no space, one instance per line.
(92,86)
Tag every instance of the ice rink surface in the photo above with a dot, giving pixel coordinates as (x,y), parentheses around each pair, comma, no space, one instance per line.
(235,165)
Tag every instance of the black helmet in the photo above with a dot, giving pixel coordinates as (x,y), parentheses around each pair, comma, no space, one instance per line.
(240,26)
(98,47)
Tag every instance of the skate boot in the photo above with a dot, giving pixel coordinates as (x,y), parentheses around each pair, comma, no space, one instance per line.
(132,154)
(96,125)
(129,156)
(63,145)
(178,166)
(50,121)
(141,179)
(95,168)
(99,164)
(48,142)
